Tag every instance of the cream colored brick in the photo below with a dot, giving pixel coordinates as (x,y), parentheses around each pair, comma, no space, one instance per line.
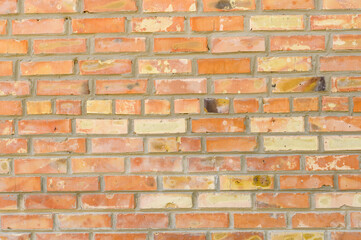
(99,106)
(159,126)
(337,143)
(337,200)
(277,124)
(101,126)
(291,143)
(165,200)
(224,200)
(277,22)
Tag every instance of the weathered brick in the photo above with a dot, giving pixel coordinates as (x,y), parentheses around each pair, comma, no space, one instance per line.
(277,163)
(238,44)
(27,222)
(335,22)
(128,107)
(332,163)
(97,164)
(50,201)
(44,126)
(284,64)
(303,84)
(8,6)
(38,107)
(187,106)
(231,144)
(20,184)
(188,183)
(340,63)
(8,202)
(237,235)
(335,104)
(349,182)
(111,66)
(164,66)
(214,164)
(55,145)
(107,201)
(346,84)
(345,235)
(84,221)
(109,5)
(13,46)
(6,68)
(53,6)
(165,200)
(14,88)
(101,126)
(293,143)
(116,45)
(39,165)
(47,68)
(301,104)
(169,6)
(181,86)
(68,107)
(130,183)
(62,87)
(121,236)
(13,145)
(169,45)
(183,236)
(342,143)
(218,125)
(99,106)
(158,24)
(174,144)
(72,184)
(224,200)
(276,105)
(62,236)
(282,200)
(340,4)
(160,126)
(246,182)
(156,164)
(277,22)
(237,5)
(6,127)
(116,145)
(337,200)
(142,221)
(98,25)
(279,124)
(11,108)
(246,105)
(58,46)
(156,106)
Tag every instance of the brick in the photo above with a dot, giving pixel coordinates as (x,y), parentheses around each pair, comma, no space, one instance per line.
(335,104)
(3,24)
(178,236)
(332,163)
(170,45)
(278,163)
(20,184)
(160,126)
(62,236)
(277,22)
(282,200)
(277,124)
(346,84)
(6,68)
(205,125)
(260,220)
(188,182)
(6,127)
(68,107)
(284,4)
(237,5)
(76,221)
(130,183)
(297,235)
(291,143)
(355,219)
(246,182)
(107,201)
(99,106)
(62,87)
(39,165)
(165,200)
(224,65)
(187,106)
(97,164)
(50,201)
(72,184)
(342,143)
(284,64)
(174,144)
(13,46)
(318,220)
(217,23)
(298,43)
(245,105)
(305,104)
(164,66)
(201,220)
(357,104)
(38,26)
(240,85)
(237,235)
(101,126)
(54,6)
(238,44)
(57,46)
(98,25)
(346,42)
(5,166)
(180,86)
(335,22)
(214,164)
(142,221)
(224,200)
(46,68)
(109,5)
(128,107)
(27,222)
(231,144)
(38,107)
(8,7)
(56,145)
(340,63)
(169,6)
(121,236)
(303,84)
(337,200)
(116,145)
(158,24)
(112,66)
(8,202)
(335,124)
(216,105)
(276,105)
(11,108)
(156,106)
(51,126)
(345,235)
(156,164)
(349,182)
(116,45)
(338,4)
(13,145)
(306,181)
(14,88)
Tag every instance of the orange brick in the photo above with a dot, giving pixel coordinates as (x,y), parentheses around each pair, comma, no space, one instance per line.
(97,164)
(260,220)
(356,104)
(20,184)
(346,42)
(13,46)
(178,236)
(114,45)
(341,4)
(245,105)
(50,201)
(218,125)
(11,108)
(62,87)
(276,105)
(201,220)
(188,182)
(223,65)
(142,220)
(68,107)
(240,85)
(231,144)
(71,145)
(14,88)
(13,145)
(44,126)
(8,6)
(181,86)
(346,84)
(98,25)
(27,222)
(298,43)
(3,24)
(282,200)
(38,26)
(6,127)
(164,66)
(187,106)
(238,44)
(169,6)
(126,86)
(156,106)
(130,183)
(46,68)
(306,181)
(110,5)
(237,5)
(121,236)
(127,107)
(335,104)
(62,236)
(107,201)
(355,219)
(156,164)
(56,46)
(6,68)
(217,23)
(38,107)
(77,221)
(335,124)
(116,145)
(214,164)
(349,182)
(332,163)
(285,4)
(8,202)
(39,165)
(340,63)
(112,66)
(158,24)
(72,184)
(279,163)
(335,22)
(318,220)
(169,45)
(53,6)
(345,235)
(305,104)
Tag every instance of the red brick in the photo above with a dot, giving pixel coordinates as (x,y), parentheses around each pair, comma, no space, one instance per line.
(44,126)
(224,65)
(345,235)
(39,165)
(8,7)
(13,145)
(169,45)
(214,164)
(50,201)
(62,87)
(205,125)
(72,184)
(98,25)
(97,164)
(77,221)
(201,220)
(27,222)
(107,201)
(13,46)
(110,5)
(158,24)
(46,68)
(11,108)
(260,220)
(68,107)
(318,220)
(169,6)
(62,236)
(306,181)
(117,145)
(156,106)
(8,202)
(142,220)
(115,45)
(282,200)
(298,43)
(6,68)
(130,183)
(53,6)
(14,88)
(238,44)
(349,182)
(279,163)
(38,26)
(156,164)
(217,23)
(179,236)
(112,66)
(231,144)
(20,184)
(121,236)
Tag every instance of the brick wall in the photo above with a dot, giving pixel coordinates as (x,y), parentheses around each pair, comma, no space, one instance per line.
(180,119)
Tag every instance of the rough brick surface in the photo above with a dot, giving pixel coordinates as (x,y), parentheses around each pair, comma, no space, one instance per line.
(180,119)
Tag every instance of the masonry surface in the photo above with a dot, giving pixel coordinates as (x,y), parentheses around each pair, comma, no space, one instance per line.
(180,119)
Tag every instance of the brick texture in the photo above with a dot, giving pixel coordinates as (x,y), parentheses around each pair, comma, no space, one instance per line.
(180,119)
